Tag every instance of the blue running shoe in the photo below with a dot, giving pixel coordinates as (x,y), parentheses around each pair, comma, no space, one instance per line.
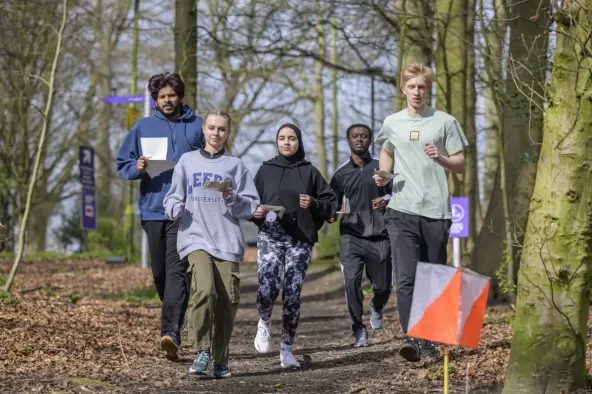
(201,363)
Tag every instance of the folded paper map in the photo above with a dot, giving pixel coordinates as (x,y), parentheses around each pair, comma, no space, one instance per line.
(218,186)
(156,167)
(345,208)
(384,174)
(278,209)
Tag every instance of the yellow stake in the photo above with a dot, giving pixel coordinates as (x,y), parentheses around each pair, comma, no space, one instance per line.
(445,369)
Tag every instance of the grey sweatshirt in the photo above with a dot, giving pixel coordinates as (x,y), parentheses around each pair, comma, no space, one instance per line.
(207,221)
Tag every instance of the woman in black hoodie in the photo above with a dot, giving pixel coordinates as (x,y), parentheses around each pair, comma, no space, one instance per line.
(286,240)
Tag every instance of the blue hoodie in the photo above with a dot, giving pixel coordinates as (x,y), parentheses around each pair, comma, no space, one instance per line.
(184,135)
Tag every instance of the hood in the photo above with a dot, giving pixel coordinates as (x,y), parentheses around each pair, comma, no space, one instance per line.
(295,160)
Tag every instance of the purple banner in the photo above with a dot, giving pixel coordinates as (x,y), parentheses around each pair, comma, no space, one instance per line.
(460,217)
(86,165)
(126,100)
(89,209)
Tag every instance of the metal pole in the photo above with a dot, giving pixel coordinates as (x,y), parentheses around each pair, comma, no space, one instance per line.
(456,251)
(372,113)
(84,241)
(144,249)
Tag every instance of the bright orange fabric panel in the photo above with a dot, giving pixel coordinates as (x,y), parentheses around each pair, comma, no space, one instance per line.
(439,322)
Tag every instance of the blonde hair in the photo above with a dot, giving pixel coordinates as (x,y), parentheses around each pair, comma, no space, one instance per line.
(417,70)
(216,112)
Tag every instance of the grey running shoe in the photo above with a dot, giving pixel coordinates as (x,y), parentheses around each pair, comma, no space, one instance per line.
(361,337)
(376,318)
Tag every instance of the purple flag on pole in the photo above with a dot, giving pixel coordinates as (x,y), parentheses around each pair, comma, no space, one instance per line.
(89,209)
(460,217)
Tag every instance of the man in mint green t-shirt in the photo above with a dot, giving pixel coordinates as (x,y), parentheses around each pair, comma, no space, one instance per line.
(420,146)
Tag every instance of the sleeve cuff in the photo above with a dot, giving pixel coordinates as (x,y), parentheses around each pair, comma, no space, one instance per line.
(231,199)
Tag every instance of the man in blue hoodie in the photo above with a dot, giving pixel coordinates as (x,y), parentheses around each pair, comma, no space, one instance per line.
(177,126)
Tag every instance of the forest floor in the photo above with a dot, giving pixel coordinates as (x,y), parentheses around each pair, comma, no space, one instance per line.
(82,326)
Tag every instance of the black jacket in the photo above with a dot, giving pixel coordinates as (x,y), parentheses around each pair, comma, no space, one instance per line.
(281,183)
(357,184)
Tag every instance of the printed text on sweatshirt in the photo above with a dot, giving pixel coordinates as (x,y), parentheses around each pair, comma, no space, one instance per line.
(207,221)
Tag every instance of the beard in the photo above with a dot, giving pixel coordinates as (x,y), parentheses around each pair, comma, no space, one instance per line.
(176,108)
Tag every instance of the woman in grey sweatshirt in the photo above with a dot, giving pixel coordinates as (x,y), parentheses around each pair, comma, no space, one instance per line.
(211,238)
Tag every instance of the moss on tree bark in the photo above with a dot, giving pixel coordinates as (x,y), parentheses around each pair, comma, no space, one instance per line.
(549,344)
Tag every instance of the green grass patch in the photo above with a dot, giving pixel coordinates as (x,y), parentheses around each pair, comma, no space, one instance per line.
(368,292)
(57,256)
(7,298)
(439,373)
(90,382)
(41,256)
(146,294)
(70,298)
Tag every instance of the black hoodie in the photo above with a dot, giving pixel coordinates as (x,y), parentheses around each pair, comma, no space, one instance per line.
(281,180)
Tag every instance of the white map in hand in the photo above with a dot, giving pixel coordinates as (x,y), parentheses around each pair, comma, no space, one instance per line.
(384,174)
(155,149)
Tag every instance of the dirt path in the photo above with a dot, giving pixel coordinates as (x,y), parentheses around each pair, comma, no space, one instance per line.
(99,344)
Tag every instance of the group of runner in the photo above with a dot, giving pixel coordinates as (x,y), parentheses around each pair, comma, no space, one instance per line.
(393,208)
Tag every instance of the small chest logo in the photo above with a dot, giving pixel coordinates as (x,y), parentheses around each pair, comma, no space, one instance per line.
(414,135)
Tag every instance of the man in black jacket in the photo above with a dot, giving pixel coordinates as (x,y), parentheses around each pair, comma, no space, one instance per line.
(364,239)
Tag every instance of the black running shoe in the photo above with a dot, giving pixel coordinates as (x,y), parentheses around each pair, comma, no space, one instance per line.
(410,350)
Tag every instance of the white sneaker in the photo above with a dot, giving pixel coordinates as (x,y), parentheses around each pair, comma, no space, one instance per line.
(287,360)
(262,337)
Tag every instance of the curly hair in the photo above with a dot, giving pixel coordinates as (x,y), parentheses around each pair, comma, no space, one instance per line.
(159,81)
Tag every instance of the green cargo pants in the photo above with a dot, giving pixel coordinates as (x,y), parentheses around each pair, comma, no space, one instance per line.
(215,285)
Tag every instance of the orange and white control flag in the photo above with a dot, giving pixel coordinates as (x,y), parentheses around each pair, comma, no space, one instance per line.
(448,305)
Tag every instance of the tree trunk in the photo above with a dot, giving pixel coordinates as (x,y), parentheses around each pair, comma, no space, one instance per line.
(186,47)
(334,94)
(319,95)
(102,148)
(495,39)
(451,71)
(522,129)
(471,180)
(37,230)
(40,146)
(414,44)
(549,344)
(451,66)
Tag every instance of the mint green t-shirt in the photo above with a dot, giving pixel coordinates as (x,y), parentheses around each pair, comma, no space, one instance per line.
(420,186)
